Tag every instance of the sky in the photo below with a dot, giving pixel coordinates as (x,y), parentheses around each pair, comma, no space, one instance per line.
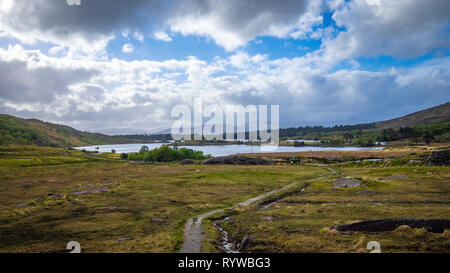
(111,64)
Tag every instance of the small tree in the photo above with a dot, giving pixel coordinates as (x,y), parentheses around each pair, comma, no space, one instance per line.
(113,151)
(428,138)
(123,156)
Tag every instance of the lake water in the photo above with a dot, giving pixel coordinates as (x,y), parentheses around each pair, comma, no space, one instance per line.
(222,150)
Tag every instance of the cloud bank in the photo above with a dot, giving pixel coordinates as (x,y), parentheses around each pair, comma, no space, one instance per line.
(80,83)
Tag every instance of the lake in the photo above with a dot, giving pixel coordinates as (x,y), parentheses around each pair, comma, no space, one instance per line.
(223,150)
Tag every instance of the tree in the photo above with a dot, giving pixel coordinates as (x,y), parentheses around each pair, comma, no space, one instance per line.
(113,151)
(348,137)
(428,138)
(416,135)
(123,156)
(143,149)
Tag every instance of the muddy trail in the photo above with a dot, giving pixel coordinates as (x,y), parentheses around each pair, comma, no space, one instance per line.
(194,233)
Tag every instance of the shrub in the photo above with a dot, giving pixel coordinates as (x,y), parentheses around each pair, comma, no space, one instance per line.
(165,154)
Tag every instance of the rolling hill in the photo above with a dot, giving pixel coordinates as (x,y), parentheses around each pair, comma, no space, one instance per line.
(15,130)
(437,114)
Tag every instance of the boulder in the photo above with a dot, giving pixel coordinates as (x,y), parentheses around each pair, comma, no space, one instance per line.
(439,158)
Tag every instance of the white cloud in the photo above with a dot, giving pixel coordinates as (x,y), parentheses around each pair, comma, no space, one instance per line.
(233,23)
(67,86)
(163,36)
(127,48)
(138,36)
(402,29)
(140,94)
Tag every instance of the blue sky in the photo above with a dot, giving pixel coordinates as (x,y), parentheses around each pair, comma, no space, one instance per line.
(125,64)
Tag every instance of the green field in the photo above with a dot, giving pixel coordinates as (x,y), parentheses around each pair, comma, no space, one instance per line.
(134,207)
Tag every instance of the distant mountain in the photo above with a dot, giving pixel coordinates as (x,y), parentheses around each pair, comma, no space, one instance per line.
(15,130)
(437,114)
(123,131)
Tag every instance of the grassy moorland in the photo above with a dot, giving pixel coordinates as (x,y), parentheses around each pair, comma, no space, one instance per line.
(301,221)
(51,196)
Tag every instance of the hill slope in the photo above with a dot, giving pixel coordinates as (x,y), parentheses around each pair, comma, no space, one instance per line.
(437,114)
(32,131)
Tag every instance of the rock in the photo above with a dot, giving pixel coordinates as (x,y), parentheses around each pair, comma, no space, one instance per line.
(245,242)
(366,192)
(439,158)
(124,239)
(187,162)
(415,162)
(347,183)
(21,205)
(390,224)
(237,160)
(157,220)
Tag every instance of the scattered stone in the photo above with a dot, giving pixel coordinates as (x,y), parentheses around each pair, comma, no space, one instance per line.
(245,242)
(124,239)
(237,160)
(390,224)
(366,192)
(23,205)
(98,190)
(158,220)
(392,177)
(347,183)
(414,162)
(439,158)
(187,162)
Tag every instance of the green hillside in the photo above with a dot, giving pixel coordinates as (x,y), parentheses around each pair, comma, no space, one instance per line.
(433,115)
(32,131)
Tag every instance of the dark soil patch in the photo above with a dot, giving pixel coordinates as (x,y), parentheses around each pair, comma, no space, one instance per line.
(271,200)
(390,224)
(237,160)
